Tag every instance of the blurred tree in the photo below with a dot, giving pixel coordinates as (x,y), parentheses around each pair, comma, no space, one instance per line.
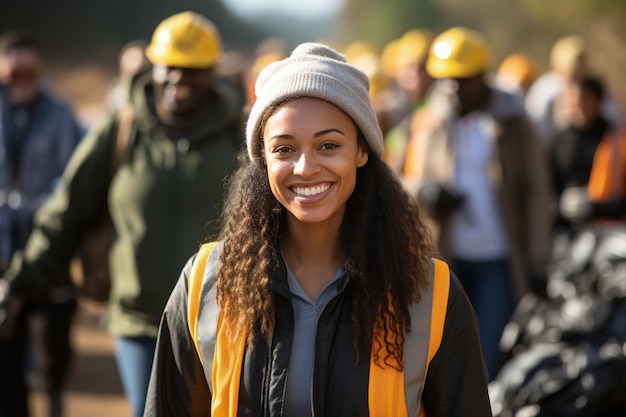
(81,40)
(378,22)
(68,28)
(580,10)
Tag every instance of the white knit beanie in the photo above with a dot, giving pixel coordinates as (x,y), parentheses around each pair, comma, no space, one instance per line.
(315,70)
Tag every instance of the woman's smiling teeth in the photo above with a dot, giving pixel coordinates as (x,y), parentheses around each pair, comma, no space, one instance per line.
(311,191)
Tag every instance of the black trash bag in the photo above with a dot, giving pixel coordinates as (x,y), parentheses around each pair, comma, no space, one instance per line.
(609,265)
(577,319)
(558,380)
(569,274)
(566,352)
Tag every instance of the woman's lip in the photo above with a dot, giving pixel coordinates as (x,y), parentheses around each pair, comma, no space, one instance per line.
(317,189)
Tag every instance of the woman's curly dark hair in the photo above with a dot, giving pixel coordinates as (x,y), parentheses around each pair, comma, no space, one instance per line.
(385,245)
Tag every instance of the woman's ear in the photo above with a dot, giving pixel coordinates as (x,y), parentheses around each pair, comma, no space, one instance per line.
(363,156)
(363,152)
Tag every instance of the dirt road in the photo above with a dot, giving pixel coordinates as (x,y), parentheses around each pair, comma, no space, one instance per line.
(94,388)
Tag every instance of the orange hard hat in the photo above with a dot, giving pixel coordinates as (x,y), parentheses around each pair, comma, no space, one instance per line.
(518,69)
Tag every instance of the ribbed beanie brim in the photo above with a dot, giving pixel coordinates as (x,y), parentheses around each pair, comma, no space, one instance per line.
(315,70)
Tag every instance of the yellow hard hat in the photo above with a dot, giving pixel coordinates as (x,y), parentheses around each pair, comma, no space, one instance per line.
(186,40)
(357,49)
(413,46)
(389,58)
(364,56)
(568,55)
(458,53)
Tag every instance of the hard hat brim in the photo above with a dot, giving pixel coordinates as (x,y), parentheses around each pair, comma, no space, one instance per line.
(437,68)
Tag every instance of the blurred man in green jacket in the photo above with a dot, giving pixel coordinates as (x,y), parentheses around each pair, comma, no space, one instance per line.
(163,200)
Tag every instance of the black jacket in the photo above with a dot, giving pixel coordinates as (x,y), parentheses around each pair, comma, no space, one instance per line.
(455,383)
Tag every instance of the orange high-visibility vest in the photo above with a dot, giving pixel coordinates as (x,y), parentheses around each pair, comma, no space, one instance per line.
(415,156)
(222,354)
(608,171)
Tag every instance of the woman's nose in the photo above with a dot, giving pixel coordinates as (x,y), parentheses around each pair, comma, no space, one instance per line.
(306,164)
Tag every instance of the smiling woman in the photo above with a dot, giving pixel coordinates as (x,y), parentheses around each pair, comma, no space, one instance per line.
(312,154)
(307,9)
(319,294)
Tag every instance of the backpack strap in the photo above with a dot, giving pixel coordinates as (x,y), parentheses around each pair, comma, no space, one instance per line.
(123,138)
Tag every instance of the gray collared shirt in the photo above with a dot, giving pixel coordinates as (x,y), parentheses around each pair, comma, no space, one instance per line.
(306,313)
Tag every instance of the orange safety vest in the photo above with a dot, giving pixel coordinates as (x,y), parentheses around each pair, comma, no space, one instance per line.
(415,156)
(608,171)
(386,391)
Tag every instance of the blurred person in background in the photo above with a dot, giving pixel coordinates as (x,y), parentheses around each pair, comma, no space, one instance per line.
(163,200)
(132,59)
(268,50)
(405,62)
(587,158)
(258,64)
(481,175)
(366,57)
(265,52)
(568,60)
(38,133)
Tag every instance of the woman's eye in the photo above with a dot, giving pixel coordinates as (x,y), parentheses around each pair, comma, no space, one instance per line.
(329,146)
(282,149)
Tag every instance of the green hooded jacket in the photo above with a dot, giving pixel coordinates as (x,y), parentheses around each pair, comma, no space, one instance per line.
(164,201)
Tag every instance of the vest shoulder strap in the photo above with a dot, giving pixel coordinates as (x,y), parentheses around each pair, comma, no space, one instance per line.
(441,291)
(225,361)
(195,289)
(387,385)
(123,139)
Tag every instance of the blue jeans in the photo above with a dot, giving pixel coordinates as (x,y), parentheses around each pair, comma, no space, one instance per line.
(488,286)
(134,361)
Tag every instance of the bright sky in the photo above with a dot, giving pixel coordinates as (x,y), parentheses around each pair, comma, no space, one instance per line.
(302,8)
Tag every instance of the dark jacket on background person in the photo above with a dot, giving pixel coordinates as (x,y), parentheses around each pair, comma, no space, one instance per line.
(163,200)
(518,171)
(593,158)
(189,343)
(32,159)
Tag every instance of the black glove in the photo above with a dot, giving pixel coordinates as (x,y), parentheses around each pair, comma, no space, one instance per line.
(439,198)
(9,308)
(539,285)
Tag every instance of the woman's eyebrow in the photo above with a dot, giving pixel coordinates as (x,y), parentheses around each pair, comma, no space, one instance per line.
(327,131)
(281,136)
(316,135)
